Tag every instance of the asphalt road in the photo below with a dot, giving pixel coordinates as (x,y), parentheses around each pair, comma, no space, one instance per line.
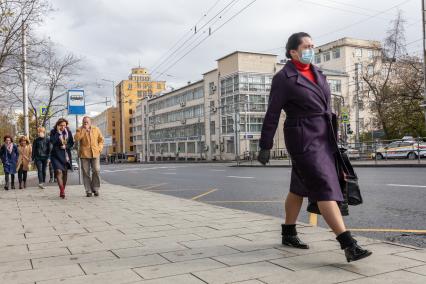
(394,198)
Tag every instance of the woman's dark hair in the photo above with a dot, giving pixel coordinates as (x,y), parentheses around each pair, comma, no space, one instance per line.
(60,121)
(293,42)
(7,136)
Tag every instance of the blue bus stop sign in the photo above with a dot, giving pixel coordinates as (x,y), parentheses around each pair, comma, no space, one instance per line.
(76,102)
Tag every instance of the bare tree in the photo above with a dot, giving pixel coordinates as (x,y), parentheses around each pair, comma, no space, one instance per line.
(49,77)
(394,82)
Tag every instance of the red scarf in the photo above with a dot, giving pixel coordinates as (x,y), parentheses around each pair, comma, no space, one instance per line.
(305,70)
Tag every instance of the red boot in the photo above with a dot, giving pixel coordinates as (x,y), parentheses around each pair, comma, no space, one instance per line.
(62,192)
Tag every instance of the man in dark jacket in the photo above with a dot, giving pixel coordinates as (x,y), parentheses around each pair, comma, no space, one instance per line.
(41,155)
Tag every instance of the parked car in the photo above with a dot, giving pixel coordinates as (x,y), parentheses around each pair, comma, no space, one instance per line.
(74,165)
(404,149)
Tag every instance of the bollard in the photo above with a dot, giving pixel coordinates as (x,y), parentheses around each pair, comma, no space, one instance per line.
(313,219)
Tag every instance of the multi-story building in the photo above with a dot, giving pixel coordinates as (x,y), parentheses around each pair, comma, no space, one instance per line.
(128,92)
(353,57)
(171,126)
(106,121)
(220,117)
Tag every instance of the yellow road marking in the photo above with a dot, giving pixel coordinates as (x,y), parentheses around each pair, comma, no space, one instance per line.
(203,194)
(152,186)
(245,201)
(388,230)
(313,219)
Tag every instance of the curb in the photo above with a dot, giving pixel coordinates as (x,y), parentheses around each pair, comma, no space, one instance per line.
(353,165)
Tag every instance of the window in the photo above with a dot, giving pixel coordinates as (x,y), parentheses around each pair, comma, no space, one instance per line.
(370,53)
(131,129)
(158,85)
(113,132)
(130,120)
(370,70)
(140,94)
(326,56)
(131,147)
(358,52)
(336,53)
(211,88)
(335,86)
(130,111)
(113,124)
(317,58)
(212,128)
(361,105)
(129,87)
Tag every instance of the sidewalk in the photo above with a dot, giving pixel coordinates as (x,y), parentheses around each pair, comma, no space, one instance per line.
(135,236)
(355,163)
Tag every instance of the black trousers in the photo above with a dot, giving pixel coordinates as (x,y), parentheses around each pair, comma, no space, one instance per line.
(22,175)
(6,178)
(41,170)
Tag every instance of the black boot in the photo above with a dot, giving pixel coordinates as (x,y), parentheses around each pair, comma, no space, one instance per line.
(352,250)
(6,186)
(290,237)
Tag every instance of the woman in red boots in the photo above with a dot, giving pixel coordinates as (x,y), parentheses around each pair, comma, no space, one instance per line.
(62,142)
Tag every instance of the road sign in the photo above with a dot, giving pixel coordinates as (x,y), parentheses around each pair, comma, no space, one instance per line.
(76,102)
(345,117)
(107,141)
(43,111)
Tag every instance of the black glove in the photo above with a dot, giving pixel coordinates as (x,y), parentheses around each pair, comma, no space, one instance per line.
(263,156)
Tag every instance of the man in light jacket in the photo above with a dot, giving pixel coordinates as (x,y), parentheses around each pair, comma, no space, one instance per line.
(91,143)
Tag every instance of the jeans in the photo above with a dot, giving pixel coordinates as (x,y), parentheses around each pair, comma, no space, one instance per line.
(41,170)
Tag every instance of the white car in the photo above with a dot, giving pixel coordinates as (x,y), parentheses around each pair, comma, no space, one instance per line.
(74,165)
(405,149)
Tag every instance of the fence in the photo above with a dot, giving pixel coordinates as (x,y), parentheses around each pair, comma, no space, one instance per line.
(410,150)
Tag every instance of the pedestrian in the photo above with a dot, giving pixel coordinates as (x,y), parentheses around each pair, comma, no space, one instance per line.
(24,161)
(9,157)
(41,155)
(61,141)
(52,177)
(302,91)
(91,143)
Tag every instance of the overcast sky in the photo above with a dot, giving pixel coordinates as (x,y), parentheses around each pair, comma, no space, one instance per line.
(114,36)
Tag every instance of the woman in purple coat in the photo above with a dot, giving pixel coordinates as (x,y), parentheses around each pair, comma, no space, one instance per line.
(301,90)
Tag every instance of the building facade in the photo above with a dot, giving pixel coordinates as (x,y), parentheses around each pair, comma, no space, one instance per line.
(106,121)
(220,117)
(128,93)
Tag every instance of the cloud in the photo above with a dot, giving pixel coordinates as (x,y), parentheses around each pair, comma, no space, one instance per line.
(114,36)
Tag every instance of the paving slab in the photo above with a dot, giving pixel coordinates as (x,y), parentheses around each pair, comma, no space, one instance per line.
(134,236)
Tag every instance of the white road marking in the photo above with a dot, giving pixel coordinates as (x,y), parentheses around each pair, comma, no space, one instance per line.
(136,169)
(238,177)
(217,170)
(168,173)
(407,185)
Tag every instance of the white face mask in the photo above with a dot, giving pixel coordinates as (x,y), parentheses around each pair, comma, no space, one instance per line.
(307,56)
(41,134)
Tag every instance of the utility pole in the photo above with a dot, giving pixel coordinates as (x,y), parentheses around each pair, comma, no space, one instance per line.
(357,104)
(24,81)
(424,53)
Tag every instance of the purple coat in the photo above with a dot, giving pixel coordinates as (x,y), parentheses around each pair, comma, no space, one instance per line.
(307,132)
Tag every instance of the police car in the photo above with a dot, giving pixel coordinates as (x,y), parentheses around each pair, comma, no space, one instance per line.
(404,149)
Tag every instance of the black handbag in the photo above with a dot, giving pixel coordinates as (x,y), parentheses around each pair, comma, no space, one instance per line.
(348,179)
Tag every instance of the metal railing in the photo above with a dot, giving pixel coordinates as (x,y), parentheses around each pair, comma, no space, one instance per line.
(402,151)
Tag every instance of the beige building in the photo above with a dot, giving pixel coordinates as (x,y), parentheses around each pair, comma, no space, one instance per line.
(106,122)
(128,92)
(219,117)
(352,57)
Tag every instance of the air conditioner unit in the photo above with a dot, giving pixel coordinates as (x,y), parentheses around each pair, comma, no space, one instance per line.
(183,121)
(182,104)
(213,88)
(213,109)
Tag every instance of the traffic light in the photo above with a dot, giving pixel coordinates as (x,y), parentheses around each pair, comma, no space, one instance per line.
(348,129)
